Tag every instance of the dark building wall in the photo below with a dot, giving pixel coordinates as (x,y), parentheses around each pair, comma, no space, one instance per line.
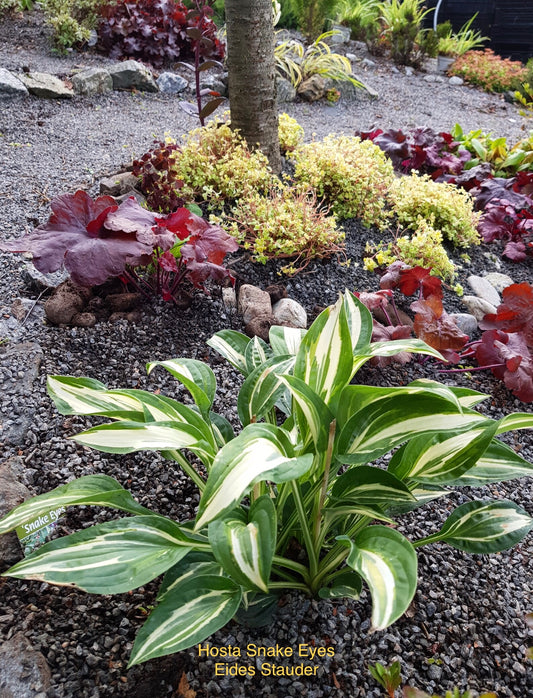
(508,23)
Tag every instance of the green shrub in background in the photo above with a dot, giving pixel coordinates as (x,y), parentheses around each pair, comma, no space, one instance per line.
(353,176)
(313,14)
(282,507)
(445,207)
(8,7)
(71,20)
(402,27)
(362,16)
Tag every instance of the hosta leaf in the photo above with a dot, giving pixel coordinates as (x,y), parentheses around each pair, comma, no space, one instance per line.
(483,527)
(360,322)
(354,398)
(232,346)
(256,354)
(127,437)
(187,615)
(246,549)
(195,375)
(286,340)
(345,585)
(443,458)
(515,420)
(395,346)
(368,485)
(97,490)
(222,429)
(260,452)
(388,422)
(324,360)
(312,414)
(262,389)
(189,567)
(387,562)
(346,509)
(498,464)
(109,558)
(422,494)
(257,609)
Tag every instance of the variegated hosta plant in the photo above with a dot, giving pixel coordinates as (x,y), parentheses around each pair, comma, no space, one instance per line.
(299,499)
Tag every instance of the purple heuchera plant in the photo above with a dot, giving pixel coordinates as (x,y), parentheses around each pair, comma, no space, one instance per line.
(96,240)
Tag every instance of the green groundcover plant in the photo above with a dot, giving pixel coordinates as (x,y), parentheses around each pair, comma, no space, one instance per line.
(296,500)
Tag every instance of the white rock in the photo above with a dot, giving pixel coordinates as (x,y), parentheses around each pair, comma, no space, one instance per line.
(478,307)
(456,80)
(229,298)
(465,322)
(11,86)
(499,281)
(484,289)
(289,312)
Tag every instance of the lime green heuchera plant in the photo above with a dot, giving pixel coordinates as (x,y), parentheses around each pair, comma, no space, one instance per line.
(295,500)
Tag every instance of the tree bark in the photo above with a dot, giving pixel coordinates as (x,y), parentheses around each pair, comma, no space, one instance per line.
(252,75)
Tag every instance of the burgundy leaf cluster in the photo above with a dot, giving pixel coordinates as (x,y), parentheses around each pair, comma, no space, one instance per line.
(506,344)
(156,31)
(507,206)
(96,240)
(422,149)
(158,180)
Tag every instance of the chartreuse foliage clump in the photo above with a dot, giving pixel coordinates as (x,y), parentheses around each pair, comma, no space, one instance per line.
(352,175)
(422,248)
(216,165)
(445,207)
(291,134)
(297,499)
(285,223)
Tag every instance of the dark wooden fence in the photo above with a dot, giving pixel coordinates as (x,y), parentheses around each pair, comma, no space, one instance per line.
(508,23)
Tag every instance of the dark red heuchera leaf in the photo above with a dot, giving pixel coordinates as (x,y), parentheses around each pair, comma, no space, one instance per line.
(411,279)
(515,251)
(434,326)
(374,300)
(514,314)
(132,218)
(178,222)
(509,359)
(382,333)
(78,237)
(205,250)
(168,262)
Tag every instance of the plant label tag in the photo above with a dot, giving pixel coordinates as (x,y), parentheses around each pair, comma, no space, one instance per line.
(37,531)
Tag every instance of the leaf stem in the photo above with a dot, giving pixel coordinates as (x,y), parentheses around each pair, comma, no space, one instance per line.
(309,544)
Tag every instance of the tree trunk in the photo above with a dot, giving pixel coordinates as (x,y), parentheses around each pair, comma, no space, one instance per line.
(252,75)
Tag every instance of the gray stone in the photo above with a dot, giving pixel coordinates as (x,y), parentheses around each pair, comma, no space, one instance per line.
(94,81)
(430,78)
(341,36)
(35,281)
(484,289)
(369,63)
(465,322)
(12,493)
(10,85)
(171,84)
(360,46)
(214,82)
(132,75)
(430,65)
(290,313)
(478,307)
(24,672)
(351,92)
(46,86)
(27,357)
(456,80)
(118,184)
(253,302)
(409,71)
(352,57)
(439,78)
(312,89)
(229,298)
(286,92)
(499,281)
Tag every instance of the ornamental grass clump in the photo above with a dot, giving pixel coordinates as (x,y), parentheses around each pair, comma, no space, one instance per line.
(297,500)
(353,176)
(445,207)
(216,166)
(284,224)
